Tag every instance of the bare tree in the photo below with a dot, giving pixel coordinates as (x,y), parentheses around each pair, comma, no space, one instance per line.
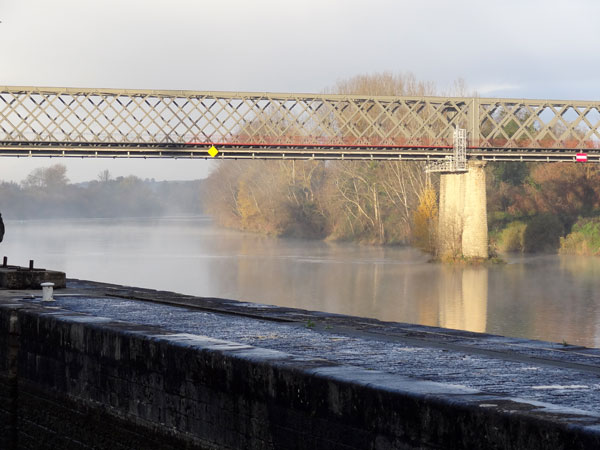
(53,177)
(369,201)
(105,176)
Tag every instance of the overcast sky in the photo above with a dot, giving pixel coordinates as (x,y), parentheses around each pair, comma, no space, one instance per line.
(507,48)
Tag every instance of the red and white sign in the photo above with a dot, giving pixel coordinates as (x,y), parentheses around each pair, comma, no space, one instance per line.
(581,157)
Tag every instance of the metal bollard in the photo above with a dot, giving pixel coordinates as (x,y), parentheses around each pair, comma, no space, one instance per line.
(47,291)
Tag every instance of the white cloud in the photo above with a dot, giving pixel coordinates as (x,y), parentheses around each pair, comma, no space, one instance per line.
(496,88)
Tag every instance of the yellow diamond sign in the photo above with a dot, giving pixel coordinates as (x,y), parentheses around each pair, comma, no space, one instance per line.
(213,151)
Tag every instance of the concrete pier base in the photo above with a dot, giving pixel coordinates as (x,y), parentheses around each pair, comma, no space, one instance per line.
(462,225)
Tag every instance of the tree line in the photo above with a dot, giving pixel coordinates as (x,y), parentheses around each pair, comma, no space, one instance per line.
(535,207)
(530,205)
(370,201)
(47,193)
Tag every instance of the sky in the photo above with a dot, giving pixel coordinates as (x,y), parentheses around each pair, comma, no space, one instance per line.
(508,48)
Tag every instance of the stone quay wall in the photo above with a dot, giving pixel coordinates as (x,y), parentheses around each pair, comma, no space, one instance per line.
(73,381)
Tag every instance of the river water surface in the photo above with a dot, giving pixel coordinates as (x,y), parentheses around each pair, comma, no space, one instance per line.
(547,297)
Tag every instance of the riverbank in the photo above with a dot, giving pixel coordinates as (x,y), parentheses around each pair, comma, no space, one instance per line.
(296,377)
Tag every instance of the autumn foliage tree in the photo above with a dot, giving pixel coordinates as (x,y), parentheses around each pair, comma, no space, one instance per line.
(425,221)
(366,201)
(545,203)
(273,197)
(567,190)
(391,202)
(564,189)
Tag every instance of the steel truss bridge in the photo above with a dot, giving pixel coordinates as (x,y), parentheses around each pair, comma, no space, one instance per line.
(73,122)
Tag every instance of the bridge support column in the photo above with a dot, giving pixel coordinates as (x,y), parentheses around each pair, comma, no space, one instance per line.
(462,225)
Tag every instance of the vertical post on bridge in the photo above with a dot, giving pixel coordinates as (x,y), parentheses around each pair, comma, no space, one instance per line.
(460,149)
(473,119)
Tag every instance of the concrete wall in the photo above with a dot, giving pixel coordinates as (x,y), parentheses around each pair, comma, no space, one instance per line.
(70,381)
(8,379)
(462,223)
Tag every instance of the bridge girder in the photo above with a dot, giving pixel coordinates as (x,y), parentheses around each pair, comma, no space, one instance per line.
(36,121)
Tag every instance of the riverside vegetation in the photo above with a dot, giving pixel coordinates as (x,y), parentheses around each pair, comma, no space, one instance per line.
(47,193)
(544,207)
(537,207)
(369,202)
(532,207)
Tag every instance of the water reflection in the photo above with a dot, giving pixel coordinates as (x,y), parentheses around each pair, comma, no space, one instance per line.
(463,296)
(547,297)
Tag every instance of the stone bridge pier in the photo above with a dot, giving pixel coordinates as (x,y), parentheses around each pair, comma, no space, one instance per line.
(462,223)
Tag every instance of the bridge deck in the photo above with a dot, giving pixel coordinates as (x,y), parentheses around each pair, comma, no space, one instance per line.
(305,152)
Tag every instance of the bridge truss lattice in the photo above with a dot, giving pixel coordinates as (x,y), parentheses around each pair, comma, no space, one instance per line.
(36,121)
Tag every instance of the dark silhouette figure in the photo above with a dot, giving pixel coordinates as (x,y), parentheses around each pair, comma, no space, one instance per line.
(1,228)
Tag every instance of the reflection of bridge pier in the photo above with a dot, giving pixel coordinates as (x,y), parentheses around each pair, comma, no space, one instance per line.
(463,299)
(462,226)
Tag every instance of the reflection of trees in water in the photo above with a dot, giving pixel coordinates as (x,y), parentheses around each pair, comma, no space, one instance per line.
(325,276)
(586,268)
(359,281)
(580,299)
(545,297)
(463,296)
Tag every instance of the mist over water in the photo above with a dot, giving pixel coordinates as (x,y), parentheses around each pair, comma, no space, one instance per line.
(546,297)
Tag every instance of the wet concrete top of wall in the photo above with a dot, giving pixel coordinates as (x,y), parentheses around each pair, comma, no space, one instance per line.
(566,377)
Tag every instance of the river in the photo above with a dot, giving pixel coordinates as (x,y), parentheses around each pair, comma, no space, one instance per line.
(548,297)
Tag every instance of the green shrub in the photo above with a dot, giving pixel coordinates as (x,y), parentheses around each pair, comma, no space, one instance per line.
(584,238)
(512,238)
(543,233)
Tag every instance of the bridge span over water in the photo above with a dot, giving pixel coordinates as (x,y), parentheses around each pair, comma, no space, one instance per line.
(75,122)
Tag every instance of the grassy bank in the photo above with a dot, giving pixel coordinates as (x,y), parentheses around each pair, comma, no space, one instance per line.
(584,238)
(547,233)
(539,233)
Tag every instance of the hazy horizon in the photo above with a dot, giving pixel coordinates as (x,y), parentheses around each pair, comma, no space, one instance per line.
(82,170)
